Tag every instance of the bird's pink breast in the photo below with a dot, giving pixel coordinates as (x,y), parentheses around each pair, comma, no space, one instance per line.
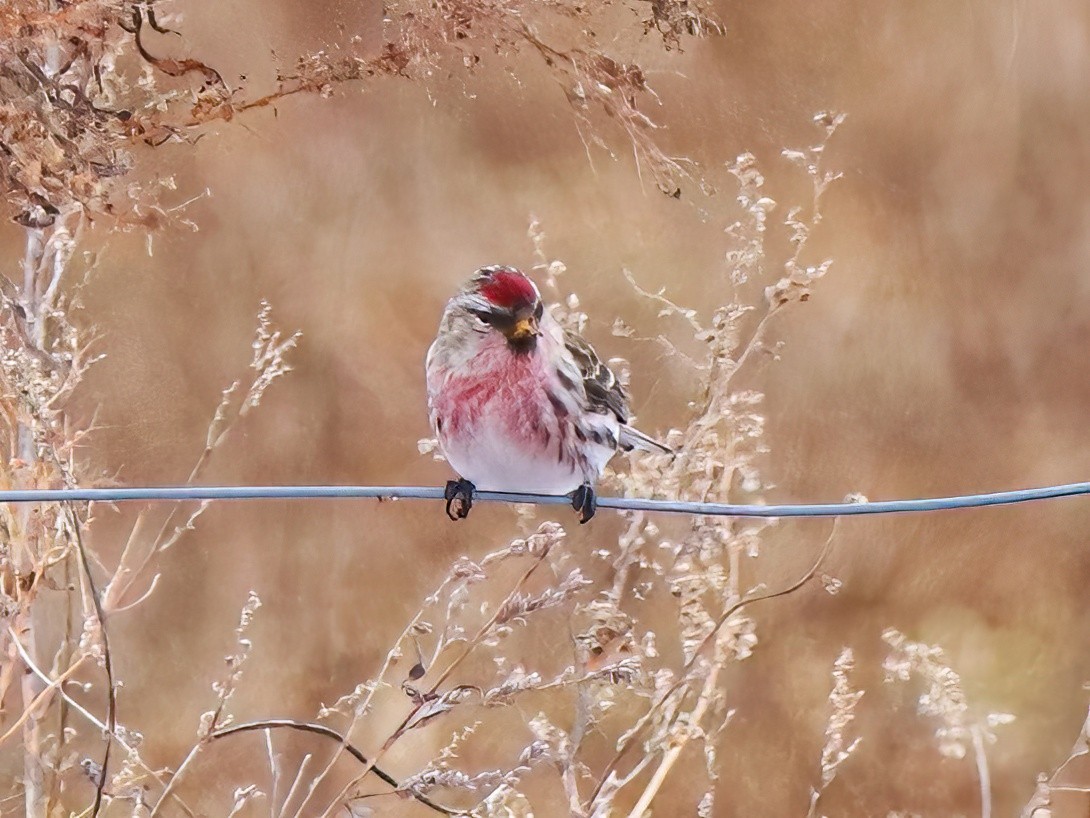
(504,423)
(501,387)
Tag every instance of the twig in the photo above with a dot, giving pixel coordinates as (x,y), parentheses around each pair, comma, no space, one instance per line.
(87,714)
(365,705)
(982,772)
(328,732)
(683,681)
(170,785)
(295,782)
(41,696)
(274,774)
(670,757)
(427,697)
(107,659)
(307,727)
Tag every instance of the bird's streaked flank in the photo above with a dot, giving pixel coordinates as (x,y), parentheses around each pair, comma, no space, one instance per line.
(209,493)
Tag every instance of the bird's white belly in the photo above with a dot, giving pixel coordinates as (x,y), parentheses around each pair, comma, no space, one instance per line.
(494,458)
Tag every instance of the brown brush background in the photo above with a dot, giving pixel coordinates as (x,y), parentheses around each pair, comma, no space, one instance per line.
(945,352)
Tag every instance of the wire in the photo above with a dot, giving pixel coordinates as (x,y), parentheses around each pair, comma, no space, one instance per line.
(115,495)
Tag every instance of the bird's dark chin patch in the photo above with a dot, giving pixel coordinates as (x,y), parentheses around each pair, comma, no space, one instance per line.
(522,346)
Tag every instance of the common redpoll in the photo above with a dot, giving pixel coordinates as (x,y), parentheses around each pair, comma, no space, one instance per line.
(518,403)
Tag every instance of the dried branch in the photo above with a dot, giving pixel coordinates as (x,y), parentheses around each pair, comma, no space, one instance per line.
(682,684)
(549,535)
(46,692)
(107,659)
(328,732)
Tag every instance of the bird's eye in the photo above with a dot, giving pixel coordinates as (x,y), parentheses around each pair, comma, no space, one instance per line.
(482,316)
(539,310)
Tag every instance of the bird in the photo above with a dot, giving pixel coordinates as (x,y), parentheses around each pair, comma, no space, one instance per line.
(517,402)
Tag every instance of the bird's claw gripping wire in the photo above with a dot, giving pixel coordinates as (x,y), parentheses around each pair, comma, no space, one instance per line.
(459,497)
(584,501)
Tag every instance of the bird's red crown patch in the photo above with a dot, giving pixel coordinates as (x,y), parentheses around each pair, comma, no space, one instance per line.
(508,288)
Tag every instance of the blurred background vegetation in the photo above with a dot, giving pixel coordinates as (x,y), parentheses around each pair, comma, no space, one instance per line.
(943,353)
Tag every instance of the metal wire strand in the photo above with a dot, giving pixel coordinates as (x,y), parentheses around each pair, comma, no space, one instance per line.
(177,493)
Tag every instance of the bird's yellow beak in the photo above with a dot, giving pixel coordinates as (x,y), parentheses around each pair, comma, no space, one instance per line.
(525,328)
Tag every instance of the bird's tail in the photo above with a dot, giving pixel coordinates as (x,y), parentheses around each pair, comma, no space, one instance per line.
(635,439)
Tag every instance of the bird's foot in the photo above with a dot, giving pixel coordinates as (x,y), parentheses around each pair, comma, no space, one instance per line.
(459,497)
(584,501)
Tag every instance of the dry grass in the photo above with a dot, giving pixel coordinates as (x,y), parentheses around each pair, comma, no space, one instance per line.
(561,673)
